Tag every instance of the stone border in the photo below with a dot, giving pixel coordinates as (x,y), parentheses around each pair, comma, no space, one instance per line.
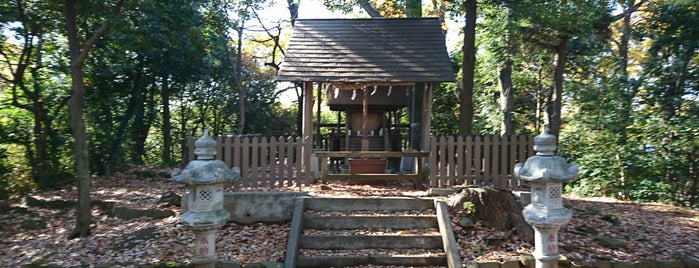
(108,208)
(527,261)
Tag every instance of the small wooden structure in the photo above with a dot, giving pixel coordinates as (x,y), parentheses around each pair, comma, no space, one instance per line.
(370,67)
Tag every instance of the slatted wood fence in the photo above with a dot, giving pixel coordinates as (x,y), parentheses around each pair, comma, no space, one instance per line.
(263,161)
(453,160)
(477,160)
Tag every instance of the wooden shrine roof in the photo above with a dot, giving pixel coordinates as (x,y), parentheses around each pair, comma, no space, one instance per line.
(367,51)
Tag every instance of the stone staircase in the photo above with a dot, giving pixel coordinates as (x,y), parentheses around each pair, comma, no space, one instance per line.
(394,231)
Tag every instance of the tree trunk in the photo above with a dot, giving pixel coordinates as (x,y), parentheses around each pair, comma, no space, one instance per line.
(167,126)
(672,97)
(497,208)
(468,69)
(239,81)
(42,168)
(554,110)
(693,177)
(540,100)
(293,7)
(373,12)
(77,127)
(140,125)
(507,102)
(31,58)
(78,53)
(117,160)
(626,92)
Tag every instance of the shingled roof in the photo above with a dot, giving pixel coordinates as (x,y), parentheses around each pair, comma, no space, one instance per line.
(367,51)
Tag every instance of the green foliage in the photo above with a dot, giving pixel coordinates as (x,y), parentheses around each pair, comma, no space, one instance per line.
(386,9)
(635,137)
(654,165)
(182,43)
(590,151)
(33,72)
(445,110)
(15,178)
(648,190)
(162,51)
(469,208)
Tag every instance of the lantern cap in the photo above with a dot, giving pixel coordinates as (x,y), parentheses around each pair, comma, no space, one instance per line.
(205,147)
(545,143)
(545,166)
(205,169)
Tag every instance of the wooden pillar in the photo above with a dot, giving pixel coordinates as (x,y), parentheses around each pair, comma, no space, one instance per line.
(425,125)
(409,109)
(318,139)
(307,130)
(416,114)
(385,130)
(347,131)
(426,118)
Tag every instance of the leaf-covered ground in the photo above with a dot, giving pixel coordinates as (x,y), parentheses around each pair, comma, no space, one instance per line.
(37,234)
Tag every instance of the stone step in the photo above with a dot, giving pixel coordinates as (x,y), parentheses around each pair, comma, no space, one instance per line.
(369,204)
(344,242)
(389,231)
(366,221)
(346,261)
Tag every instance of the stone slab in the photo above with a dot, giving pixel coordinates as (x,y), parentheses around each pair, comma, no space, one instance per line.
(690,262)
(646,264)
(257,207)
(623,265)
(441,191)
(527,260)
(671,264)
(509,264)
(489,264)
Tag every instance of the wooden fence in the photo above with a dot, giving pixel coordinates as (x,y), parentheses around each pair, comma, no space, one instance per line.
(263,161)
(477,160)
(469,160)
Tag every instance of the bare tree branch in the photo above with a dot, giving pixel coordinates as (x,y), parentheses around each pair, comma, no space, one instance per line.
(274,38)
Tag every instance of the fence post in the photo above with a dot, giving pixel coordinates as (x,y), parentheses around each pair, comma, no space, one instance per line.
(460,161)
(434,171)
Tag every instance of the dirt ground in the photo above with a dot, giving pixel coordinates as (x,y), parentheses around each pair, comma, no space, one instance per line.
(38,234)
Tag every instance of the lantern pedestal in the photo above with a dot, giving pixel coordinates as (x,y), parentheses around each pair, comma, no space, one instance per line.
(205,247)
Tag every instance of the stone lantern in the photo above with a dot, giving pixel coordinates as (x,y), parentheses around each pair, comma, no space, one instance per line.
(205,177)
(546,172)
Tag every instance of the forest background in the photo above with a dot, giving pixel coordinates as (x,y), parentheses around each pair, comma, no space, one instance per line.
(97,87)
